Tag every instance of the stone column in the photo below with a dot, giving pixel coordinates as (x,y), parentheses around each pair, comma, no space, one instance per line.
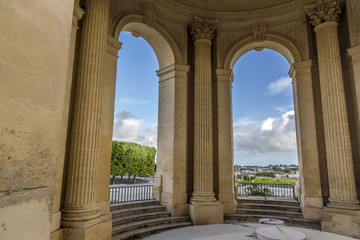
(324,16)
(204,209)
(171,175)
(353,79)
(56,217)
(224,153)
(310,150)
(108,87)
(80,193)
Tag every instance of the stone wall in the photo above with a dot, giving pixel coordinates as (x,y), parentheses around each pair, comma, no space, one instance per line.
(35,43)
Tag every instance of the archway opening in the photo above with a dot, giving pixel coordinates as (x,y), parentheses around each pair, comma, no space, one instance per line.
(265,148)
(136,100)
(137,109)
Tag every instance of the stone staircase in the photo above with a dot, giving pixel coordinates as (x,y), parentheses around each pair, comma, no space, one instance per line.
(135,220)
(252,209)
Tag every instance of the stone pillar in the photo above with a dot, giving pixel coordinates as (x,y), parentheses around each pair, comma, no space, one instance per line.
(224,158)
(204,209)
(108,87)
(80,214)
(56,217)
(343,203)
(171,175)
(353,78)
(304,74)
(352,81)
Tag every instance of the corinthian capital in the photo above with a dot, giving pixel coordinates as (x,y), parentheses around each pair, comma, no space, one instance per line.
(324,11)
(203,28)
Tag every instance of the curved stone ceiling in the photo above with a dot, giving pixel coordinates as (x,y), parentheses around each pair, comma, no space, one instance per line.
(231,5)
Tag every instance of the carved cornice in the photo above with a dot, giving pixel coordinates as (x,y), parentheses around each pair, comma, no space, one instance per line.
(324,11)
(259,30)
(77,14)
(203,28)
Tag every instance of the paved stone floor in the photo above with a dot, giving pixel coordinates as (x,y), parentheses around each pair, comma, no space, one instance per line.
(239,231)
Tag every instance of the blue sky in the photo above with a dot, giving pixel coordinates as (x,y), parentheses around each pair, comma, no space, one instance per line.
(264,128)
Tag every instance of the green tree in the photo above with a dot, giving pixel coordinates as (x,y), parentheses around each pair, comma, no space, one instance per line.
(118,160)
(150,160)
(133,159)
(135,155)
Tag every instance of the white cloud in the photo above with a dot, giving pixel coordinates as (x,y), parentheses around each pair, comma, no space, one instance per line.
(267,124)
(127,128)
(265,136)
(280,85)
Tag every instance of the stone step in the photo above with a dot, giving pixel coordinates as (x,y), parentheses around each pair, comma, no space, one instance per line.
(142,232)
(269,212)
(285,202)
(137,217)
(137,210)
(270,207)
(147,223)
(133,204)
(296,222)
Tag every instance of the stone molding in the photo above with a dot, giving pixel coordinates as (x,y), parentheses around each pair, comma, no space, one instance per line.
(324,11)
(305,67)
(77,15)
(171,71)
(354,53)
(203,28)
(224,75)
(113,46)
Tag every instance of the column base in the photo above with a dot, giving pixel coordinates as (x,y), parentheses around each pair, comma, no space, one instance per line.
(349,205)
(180,207)
(311,207)
(95,229)
(80,214)
(202,213)
(341,221)
(227,199)
(57,235)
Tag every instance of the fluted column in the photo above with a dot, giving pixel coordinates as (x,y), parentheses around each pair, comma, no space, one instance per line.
(81,173)
(324,16)
(203,32)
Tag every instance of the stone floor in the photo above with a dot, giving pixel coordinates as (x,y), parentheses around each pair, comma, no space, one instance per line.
(240,231)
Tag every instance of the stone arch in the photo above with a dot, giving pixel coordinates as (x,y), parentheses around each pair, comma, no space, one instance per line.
(272,41)
(308,116)
(165,47)
(170,185)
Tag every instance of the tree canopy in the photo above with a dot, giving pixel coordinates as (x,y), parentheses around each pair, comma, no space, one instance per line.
(132,158)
